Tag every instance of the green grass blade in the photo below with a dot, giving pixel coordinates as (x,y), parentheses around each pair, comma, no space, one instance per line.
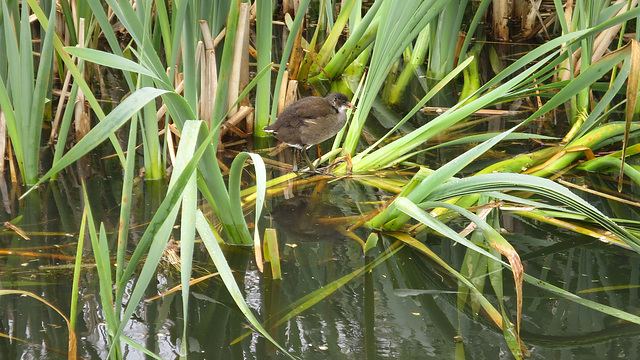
(434,180)
(13,77)
(263,89)
(592,120)
(438,87)
(410,208)
(99,14)
(226,62)
(507,181)
(103,130)
(476,138)
(235,179)
(286,52)
(416,212)
(316,296)
(184,28)
(160,228)
(352,47)
(65,126)
(10,117)
(33,131)
(399,25)
(187,234)
(110,60)
(210,242)
(142,349)
(620,314)
(477,295)
(26,72)
(125,206)
(77,268)
(103,267)
(473,25)
(390,152)
(272,253)
(328,47)
(77,75)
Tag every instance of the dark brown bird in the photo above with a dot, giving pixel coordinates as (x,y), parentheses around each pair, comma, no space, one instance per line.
(310,121)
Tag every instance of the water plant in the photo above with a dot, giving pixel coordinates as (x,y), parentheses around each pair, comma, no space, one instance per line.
(185,67)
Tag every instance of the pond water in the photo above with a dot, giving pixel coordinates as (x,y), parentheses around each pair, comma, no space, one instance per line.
(405,308)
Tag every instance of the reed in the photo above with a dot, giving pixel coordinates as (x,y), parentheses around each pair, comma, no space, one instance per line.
(23,88)
(187,67)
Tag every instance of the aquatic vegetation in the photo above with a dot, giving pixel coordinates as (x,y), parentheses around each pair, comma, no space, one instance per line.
(188,83)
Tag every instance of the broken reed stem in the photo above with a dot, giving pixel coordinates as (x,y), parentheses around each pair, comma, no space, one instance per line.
(63,97)
(12,162)
(230,125)
(239,77)
(283,93)
(81,117)
(249,121)
(295,59)
(292,93)
(209,73)
(163,109)
(313,58)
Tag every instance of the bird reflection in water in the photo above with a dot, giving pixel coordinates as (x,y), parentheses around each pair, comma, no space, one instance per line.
(305,218)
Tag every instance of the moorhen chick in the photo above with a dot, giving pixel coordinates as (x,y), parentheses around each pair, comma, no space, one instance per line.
(310,121)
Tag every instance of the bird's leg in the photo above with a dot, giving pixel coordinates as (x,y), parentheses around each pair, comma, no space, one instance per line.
(312,168)
(326,168)
(295,159)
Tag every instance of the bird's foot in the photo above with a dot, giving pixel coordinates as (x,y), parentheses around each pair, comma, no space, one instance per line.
(320,171)
(330,166)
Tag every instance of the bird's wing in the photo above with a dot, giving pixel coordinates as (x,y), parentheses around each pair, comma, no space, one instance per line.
(302,110)
(308,107)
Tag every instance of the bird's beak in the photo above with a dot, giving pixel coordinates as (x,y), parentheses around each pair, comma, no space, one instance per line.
(351,106)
